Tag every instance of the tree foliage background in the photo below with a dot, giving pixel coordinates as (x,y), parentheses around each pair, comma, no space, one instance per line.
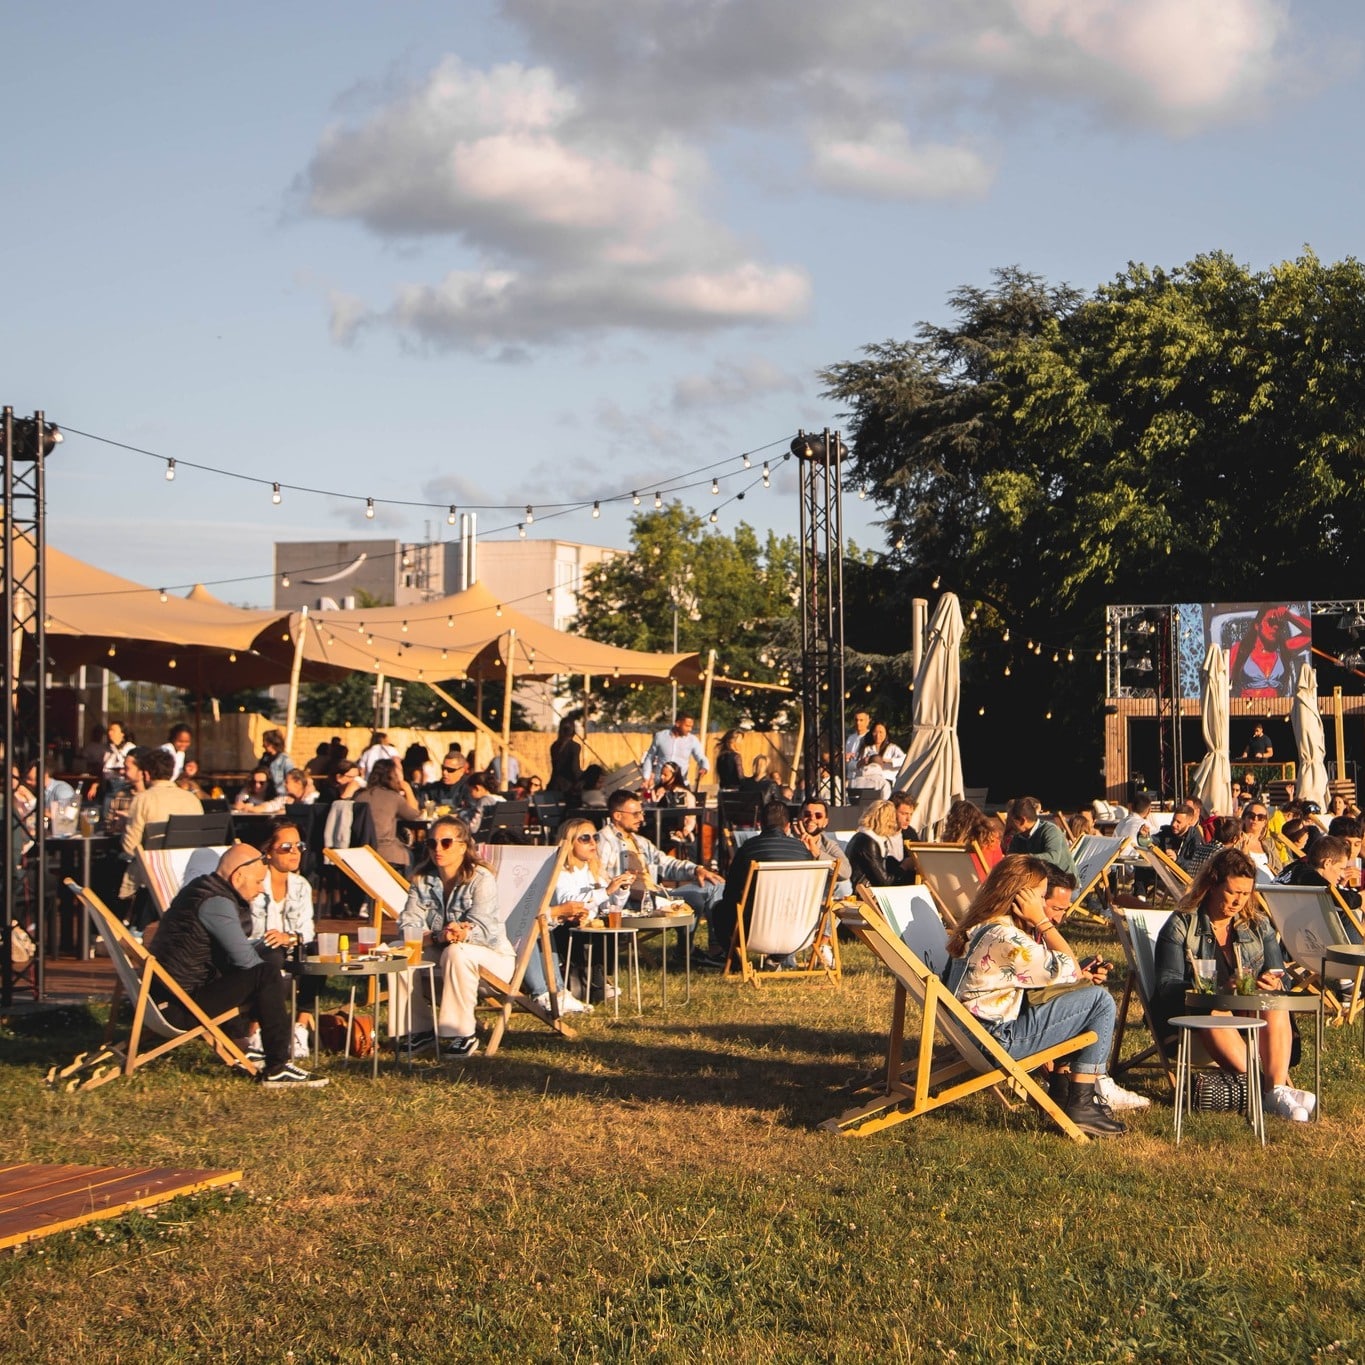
(735,594)
(1185,434)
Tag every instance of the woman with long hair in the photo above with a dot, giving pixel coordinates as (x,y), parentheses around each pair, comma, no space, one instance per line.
(958,823)
(1262,847)
(1219,921)
(282,915)
(390,800)
(581,891)
(566,761)
(729,761)
(1004,961)
(1261,663)
(879,762)
(870,850)
(452,907)
(671,790)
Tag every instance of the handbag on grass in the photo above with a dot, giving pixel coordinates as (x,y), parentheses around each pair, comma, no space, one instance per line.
(332,1032)
(1220,1091)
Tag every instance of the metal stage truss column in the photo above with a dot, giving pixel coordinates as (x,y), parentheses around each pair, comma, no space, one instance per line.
(819,459)
(26,444)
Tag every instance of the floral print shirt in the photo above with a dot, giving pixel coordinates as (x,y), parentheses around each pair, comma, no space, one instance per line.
(1003,962)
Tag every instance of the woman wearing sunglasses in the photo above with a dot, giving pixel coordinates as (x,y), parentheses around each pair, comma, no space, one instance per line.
(282,915)
(581,891)
(453,908)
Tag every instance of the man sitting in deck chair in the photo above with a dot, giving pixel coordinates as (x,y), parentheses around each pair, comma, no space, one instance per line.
(1003,962)
(202,942)
(775,844)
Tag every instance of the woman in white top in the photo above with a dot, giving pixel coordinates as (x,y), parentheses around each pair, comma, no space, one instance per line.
(282,916)
(581,891)
(879,763)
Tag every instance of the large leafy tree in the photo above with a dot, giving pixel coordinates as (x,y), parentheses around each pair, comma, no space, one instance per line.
(1187,434)
(734,593)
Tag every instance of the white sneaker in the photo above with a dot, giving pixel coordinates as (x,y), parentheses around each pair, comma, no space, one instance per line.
(827,955)
(302,1046)
(253,1041)
(1109,1091)
(543,1000)
(571,1004)
(1306,1098)
(610,992)
(1282,1101)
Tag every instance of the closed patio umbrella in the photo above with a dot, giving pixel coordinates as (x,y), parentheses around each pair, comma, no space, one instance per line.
(932,771)
(1311,784)
(1212,782)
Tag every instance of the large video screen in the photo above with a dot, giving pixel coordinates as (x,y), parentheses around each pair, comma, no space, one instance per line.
(1267,644)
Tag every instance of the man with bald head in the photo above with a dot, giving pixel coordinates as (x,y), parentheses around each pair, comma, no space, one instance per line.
(202,942)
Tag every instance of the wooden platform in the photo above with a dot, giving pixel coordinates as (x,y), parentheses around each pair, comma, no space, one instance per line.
(36,1201)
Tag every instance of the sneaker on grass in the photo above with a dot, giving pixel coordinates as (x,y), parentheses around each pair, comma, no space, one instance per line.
(460,1047)
(287,1076)
(1281,1100)
(1109,1091)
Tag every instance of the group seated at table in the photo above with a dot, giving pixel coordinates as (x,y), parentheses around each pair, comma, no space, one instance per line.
(1219,922)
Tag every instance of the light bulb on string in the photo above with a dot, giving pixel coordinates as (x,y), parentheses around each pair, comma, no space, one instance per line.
(981,711)
(275,494)
(972,615)
(766,476)
(1099,658)
(284,580)
(521,529)
(549,594)
(714,518)
(1007,670)
(405,627)
(862,495)
(635,499)
(162,594)
(369,508)
(658,502)
(1055,657)
(596,509)
(530,514)
(170,470)
(937,580)
(1005,638)
(748,464)
(1048,716)
(450,516)
(715,486)
(450,620)
(1070,657)
(498,612)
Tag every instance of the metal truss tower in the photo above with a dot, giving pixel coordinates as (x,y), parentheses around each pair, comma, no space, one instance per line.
(819,459)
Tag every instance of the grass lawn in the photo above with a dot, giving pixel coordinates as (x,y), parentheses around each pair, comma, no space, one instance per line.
(657,1191)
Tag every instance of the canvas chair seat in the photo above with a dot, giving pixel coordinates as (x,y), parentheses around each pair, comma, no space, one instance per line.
(954,874)
(1175,881)
(1094,854)
(138,975)
(975,1060)
(1309,920)
(165,870)
(789,911)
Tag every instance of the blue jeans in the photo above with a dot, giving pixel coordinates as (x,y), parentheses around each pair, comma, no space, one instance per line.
(1063,1017)
(533,982)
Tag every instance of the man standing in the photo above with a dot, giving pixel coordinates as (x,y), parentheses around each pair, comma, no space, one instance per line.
(202,943)
(774,844)
(378,747)
(1259,747)
(622,848)
(1031,834)
(678,745)
(855,743)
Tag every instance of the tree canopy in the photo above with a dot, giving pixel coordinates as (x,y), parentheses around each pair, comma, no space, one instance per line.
(733,593)
(1192,434)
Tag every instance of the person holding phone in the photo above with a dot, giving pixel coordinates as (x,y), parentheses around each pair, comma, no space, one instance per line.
(1219,920)
(1002,961)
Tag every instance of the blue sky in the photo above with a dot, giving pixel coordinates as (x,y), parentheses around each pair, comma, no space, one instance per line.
(551,250)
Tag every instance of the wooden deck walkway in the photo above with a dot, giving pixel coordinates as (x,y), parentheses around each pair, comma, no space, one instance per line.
(37,1201)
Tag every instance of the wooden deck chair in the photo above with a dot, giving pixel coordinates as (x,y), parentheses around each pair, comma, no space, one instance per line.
(137,975)
(976,1060)
(388,889)
(952,872)
(1137,932)
(790,912)
(165,870)
(914,918)
(1173,878)
(1094,854)
(1308,920)
(526,877)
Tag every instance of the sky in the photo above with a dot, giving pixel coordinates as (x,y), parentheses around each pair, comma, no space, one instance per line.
(543,252)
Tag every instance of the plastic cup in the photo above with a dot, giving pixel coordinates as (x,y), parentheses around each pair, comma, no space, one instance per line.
(1206,975)
(367,939)
(414,949)
(1246,983)
(613,919)
(329,949)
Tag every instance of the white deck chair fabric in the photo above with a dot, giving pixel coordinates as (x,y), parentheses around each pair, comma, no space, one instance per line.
(375,877)
(1093,854)
(1144,928)
(951,873)
(166,870)
(913,916)
(523,875)
(1306,920)
(785,901)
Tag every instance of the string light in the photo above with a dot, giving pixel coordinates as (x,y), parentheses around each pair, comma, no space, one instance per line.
(714,518)
(1070,657)
(937,580)
(715,486)
(658,502)
(284,580)
(275,494)
(1006,636)
(767,478)
(170,470)
(972,616)
(748,463)
(521,529)
(635,499)
(530,514)
(549,594)
(450,620)
(450,516)
(1007,670)
(163,594)
(405,627)
(596,508)
(369,508)
(498,612)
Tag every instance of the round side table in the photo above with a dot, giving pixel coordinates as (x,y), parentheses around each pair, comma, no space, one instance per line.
(1189,1024)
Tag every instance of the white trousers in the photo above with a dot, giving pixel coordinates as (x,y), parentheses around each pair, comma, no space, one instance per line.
(458,969)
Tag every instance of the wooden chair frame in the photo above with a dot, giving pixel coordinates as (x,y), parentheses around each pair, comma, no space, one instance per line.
(1155,1056)
(926,1082)
(820,893)
(1173,878)
(502,996)
(136,973)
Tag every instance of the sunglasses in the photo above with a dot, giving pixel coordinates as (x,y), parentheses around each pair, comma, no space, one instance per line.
(290,847)
(447,841)
(1258,815)
(444,769)
(585,839)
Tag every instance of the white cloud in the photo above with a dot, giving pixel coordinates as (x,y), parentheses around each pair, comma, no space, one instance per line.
(730,382)
(572,230)
(883,162)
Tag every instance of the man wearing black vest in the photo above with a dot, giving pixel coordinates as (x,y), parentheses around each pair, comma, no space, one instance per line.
(202,942)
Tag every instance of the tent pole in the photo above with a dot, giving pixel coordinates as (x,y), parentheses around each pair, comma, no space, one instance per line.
(507,702)
(801,752)
(587,693)
(479,726)
(292,710)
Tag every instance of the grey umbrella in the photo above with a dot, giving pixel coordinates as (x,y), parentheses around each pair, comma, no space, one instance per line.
(1311,784)
(1212,782)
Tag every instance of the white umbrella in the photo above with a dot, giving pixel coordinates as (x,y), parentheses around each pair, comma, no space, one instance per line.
(932,771)
(1212,782)
(1312,779)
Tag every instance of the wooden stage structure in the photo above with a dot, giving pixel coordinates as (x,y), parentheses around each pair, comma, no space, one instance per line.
(38,1201)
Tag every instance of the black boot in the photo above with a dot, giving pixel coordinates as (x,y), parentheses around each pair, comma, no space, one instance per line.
(1090,1114)
(1059,1087)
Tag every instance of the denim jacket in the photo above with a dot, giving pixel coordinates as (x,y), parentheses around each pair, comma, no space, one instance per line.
(294,914)
(1191,935)
(474,902)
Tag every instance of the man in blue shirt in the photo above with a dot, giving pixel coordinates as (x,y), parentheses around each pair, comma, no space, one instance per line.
(677,745)
(201,941)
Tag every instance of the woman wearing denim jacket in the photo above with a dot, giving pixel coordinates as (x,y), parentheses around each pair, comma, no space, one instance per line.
(1004,960)
(1219,920)
(453,908)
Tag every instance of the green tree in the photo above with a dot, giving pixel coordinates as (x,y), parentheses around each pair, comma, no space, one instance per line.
(1178,435)
(733,594)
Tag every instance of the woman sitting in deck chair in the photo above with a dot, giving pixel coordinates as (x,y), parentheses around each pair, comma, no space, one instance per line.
(453,908)
(1004,964)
